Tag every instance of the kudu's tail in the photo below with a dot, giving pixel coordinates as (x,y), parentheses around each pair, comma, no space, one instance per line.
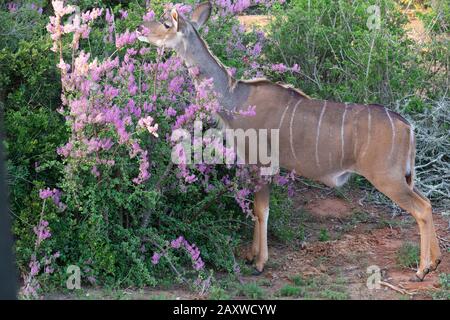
(410,162)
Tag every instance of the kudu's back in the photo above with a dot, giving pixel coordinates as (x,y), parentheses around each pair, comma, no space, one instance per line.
(327,141)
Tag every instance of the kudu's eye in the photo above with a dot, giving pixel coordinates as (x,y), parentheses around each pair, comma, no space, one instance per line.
(166,25)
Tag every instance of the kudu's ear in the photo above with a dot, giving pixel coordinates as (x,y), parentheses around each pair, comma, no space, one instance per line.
(201,14)
(175,18)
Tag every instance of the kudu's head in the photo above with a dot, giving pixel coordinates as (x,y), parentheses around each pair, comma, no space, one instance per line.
(175,31)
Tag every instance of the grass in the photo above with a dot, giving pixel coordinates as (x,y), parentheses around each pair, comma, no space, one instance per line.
(359,216)
(291,291)
(342,193)
(161,296)
(308,288)
(444,291)
(330,294)
(298,280)
(408,255)
(396,223)
(218,293)
(315,288)
(251,290)
(324,235)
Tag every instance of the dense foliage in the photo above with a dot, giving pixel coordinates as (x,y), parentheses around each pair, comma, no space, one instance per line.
(341,58)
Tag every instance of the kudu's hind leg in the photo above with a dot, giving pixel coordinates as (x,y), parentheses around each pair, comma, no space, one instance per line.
(435,250)
(420,208)
(259,247)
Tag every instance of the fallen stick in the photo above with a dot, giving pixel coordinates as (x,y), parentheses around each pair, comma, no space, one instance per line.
(395,288)
(443,243)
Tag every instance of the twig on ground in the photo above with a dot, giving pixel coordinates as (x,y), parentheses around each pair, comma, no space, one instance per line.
(444,243)
(398,289)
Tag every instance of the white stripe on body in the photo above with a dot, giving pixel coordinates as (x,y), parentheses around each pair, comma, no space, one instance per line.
(324,107)
(393,132)
(290,130)
(369,125)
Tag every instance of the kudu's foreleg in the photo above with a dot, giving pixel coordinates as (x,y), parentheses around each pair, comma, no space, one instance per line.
(254,249)
(259,249)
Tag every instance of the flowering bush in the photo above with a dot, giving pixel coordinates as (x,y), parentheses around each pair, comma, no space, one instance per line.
(42,260)
(119,195)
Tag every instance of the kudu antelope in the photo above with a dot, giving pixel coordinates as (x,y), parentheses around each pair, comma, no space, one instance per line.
(321,140)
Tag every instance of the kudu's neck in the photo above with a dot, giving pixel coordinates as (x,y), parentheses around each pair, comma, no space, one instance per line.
(196,55)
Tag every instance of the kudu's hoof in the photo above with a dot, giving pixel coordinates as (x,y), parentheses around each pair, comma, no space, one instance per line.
(436,265)
(256,272)
(419,278)
(416,278)
(249,262)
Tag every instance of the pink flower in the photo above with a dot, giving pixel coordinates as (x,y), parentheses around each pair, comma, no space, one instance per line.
(34,266)
(12,7)
(55,194)
(146,123)
(281,68)
(60,9)
(190,178)
(123,14)
(149,16)
(177,243)
(91,15)
(125,38)
(49,270)
(250,112)
(42,231)
(199,264)
(170,112)
(109,16)
(155,258)
(45,193)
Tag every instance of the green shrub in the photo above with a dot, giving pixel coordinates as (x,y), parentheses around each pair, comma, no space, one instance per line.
(408,255)
(284,220)
(437,16)
(29,96)
(341,59)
